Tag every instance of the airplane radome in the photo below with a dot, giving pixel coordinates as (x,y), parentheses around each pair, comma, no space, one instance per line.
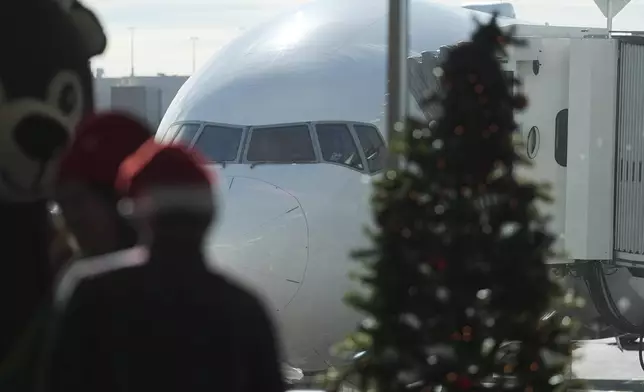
(293,113)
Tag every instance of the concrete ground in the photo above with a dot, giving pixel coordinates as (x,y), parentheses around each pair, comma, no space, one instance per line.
(606,368)
(602,365)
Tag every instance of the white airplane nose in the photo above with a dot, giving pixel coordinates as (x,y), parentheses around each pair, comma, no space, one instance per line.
(262,239)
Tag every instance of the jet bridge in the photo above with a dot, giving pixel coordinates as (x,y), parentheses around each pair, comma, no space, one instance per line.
(584,132)
(629,187)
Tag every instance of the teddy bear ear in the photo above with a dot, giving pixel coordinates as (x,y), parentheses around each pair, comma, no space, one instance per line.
(88,25)
(90,28)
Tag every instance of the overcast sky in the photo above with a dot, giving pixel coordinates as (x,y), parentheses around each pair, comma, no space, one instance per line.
(163,27)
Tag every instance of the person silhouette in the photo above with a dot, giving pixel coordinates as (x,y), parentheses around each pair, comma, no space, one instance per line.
(85,190)
(168,322)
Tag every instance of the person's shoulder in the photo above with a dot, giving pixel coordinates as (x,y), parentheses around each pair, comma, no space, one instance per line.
(229,286)
(243,298)
(82,271)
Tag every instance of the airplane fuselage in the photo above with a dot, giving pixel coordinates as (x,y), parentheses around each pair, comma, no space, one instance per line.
(294,206)
(288,229)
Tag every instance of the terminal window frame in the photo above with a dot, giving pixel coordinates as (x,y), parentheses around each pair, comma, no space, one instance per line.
(259,128)
(356,144)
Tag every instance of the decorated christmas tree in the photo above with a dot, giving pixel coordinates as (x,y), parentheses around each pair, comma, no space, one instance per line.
(457,280)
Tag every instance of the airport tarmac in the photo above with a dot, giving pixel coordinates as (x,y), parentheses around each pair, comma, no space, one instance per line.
(606,368)
(602,365)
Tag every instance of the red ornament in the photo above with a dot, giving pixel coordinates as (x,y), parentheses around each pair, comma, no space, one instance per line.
(464,382)
(440,264)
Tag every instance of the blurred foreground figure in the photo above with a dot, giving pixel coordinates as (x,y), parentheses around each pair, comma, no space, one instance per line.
(85,190)
(159,320)
(88,222)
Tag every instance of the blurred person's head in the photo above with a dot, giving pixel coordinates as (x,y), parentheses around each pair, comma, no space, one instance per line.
(86,190)
(171,195)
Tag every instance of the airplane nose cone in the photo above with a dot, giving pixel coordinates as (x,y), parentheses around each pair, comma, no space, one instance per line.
(262,239)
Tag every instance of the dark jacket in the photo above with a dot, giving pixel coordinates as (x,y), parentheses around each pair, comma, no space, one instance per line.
(125,323)
(25,271)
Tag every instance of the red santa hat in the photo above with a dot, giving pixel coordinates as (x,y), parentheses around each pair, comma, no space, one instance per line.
(167,177)
(102,142)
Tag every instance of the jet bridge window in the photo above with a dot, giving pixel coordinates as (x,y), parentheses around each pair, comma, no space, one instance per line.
(337,145)
(561,138)
(281,144)
(219,143)
(373,146)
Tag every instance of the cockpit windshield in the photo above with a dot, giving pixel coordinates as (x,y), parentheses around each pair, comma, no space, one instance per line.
(337,145)
(281,144)
(357,146)
(186,133)
(219,143)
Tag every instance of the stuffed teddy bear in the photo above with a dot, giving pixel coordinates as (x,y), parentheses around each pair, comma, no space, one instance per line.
(45,90)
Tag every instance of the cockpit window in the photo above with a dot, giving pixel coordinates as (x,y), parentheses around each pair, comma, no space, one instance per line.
(281,144)
(170,133)
(373,146)
(186,134)
(337,145)
(219,143)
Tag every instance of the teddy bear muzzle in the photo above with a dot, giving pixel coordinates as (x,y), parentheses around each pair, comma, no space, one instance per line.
(41,137)
(33,136)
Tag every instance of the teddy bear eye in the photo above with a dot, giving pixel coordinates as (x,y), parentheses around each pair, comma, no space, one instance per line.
(65,95)
(68,99)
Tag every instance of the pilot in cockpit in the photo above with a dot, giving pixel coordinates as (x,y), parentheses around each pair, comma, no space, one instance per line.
(341,151)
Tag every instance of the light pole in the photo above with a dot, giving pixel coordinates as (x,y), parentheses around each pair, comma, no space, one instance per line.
(609,18)
(131,51)
(396,75)
(194,53)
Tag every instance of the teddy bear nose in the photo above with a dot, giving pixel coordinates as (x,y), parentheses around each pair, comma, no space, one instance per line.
(40,137)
